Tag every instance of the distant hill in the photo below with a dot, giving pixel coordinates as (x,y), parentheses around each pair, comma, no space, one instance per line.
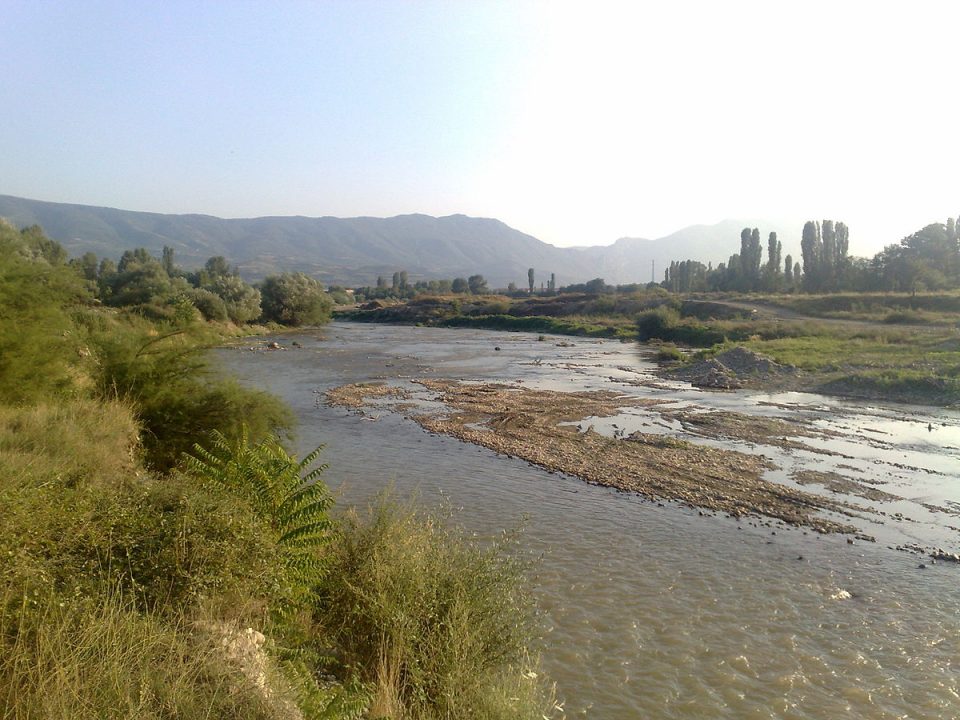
(354,251)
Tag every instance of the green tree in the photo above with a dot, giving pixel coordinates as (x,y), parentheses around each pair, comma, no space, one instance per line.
(811,247)
(210,305)
(595,286)
(140,282)
(86,265)
(167,261)
(242,301)
(774,249)
(38,246)
(477,284)
(751,252)
(459,285)
(295,299)
(530,280)
(217,266)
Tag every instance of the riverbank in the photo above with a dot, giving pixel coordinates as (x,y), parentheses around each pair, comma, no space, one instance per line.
(890,359)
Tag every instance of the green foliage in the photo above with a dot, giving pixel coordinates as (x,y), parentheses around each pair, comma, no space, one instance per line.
(664,323)
(140,281)
(295,299)
(40,348)
(210,305)
(669,352)
(439,624)
(477,284)
(536,324)
(37,246)
(177,399)
(81,516)
(286,494)
(241,301)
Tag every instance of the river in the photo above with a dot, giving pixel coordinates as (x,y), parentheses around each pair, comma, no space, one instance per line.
(654,610)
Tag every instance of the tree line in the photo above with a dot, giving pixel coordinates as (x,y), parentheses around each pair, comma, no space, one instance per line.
(928,259)
(162,291)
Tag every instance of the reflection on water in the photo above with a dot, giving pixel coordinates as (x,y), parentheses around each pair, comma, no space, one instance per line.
(651,610)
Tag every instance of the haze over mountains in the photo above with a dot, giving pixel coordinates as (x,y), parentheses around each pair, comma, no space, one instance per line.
(354,251)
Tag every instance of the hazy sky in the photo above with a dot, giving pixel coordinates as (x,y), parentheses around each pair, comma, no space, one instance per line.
(576,122)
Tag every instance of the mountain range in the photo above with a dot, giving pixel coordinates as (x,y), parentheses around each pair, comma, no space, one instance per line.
(354,251)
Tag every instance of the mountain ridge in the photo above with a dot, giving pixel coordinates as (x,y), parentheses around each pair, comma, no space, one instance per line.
(354,251)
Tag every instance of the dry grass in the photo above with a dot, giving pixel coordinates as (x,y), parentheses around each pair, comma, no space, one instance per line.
(71,439)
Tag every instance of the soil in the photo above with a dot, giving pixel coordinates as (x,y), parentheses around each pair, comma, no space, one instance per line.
(529,424)
(726,424)
(736,368)
(359,395)
(834,482)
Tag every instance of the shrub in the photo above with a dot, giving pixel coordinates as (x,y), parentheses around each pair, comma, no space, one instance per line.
(39,347)
(670,353)
(210,305)
(177,399)
(295,299)
(439,624)
(657,323)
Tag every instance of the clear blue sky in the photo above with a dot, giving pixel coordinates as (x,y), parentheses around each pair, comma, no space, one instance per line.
(578,123)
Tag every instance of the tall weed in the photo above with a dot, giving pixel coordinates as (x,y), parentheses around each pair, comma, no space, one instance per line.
(104,660)
(439,624)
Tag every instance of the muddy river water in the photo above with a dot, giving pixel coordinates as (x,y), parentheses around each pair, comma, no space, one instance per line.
(656,609)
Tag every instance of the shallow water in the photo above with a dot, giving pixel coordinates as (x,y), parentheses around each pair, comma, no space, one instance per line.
(652,610)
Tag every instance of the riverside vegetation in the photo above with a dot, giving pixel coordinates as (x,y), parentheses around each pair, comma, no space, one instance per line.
(880,328)
(165,556)
(895,346)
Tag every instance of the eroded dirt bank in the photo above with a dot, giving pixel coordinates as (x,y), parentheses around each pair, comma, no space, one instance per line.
(540,426)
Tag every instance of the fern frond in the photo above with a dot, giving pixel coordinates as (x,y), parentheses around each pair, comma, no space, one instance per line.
(281,491)
(307,535)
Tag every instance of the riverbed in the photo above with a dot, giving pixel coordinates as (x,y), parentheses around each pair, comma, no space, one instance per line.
(657,609)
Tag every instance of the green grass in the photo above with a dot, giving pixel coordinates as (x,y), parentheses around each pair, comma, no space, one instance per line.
(902,366)
(942,308)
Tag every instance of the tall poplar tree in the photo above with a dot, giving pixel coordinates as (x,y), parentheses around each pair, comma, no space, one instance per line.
(773,254)
(811,247)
